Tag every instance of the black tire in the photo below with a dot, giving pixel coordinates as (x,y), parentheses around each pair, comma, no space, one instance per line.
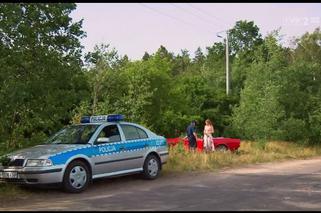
(221,148)
(151,167)
(80,180)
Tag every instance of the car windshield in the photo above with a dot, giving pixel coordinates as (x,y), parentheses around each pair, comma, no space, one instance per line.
(77,134)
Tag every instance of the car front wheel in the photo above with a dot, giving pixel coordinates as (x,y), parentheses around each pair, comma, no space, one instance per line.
(151,167)
(76,177)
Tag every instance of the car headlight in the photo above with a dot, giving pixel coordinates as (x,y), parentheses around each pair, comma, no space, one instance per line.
(39,162)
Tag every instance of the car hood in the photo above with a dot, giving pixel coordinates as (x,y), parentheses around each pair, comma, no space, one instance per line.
(42,151)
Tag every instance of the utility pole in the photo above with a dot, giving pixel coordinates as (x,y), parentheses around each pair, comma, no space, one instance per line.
(227,66)
(227,62)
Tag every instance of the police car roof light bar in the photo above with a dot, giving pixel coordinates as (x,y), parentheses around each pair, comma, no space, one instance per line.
(115,117)
(85,119)
(102,118)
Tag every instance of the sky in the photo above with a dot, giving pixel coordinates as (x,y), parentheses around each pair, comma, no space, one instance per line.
(133,28)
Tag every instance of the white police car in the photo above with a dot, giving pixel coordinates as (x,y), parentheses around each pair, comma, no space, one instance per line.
(101,146)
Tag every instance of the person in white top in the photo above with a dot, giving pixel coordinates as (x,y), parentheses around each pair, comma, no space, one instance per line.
(208,138)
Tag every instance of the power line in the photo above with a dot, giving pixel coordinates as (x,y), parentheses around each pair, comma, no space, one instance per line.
(189,12)
(208,14)
(203,18)
(177,19)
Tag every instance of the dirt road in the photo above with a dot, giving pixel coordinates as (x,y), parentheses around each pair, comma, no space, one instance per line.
(290,185)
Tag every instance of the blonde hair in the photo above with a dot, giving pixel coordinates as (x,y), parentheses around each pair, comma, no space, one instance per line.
(208,122)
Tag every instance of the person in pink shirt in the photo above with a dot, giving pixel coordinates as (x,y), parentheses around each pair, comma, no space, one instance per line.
(208,138)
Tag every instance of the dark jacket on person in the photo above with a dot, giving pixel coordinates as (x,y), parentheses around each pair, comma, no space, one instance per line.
(190,130)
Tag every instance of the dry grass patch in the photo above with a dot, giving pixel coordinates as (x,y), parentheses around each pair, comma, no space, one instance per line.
(11,191)
(249,153)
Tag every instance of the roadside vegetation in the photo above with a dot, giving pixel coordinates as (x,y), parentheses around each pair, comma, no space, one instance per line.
(47,81)
(10,191)
(182,160)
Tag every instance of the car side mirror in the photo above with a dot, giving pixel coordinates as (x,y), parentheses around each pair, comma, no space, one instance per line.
(102,140)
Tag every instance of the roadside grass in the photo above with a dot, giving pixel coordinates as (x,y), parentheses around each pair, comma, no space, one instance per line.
(11,191)
(181,160)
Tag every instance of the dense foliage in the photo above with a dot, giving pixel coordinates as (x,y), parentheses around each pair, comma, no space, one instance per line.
(40,78)
(45,84)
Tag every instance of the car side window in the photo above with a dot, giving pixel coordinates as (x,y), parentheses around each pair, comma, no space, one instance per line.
(142,133)
(132,132)
(110,132)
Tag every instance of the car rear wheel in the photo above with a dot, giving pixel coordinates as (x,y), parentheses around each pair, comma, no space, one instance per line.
(221,148)
(151,167)
(76,177)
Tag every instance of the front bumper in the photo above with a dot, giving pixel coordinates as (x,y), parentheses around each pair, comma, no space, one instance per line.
(32,175)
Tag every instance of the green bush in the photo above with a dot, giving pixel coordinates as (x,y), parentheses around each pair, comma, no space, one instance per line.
(293,129)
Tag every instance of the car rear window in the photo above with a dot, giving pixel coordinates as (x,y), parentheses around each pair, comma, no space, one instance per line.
(132,132)
(142,133)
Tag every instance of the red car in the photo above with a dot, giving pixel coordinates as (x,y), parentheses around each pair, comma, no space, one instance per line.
(220,143)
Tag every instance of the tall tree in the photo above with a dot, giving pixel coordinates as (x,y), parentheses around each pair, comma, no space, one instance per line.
(301,93)
(244,36)
(244,39)
(199,56)
(40,75)
(146,56)
(260,111)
